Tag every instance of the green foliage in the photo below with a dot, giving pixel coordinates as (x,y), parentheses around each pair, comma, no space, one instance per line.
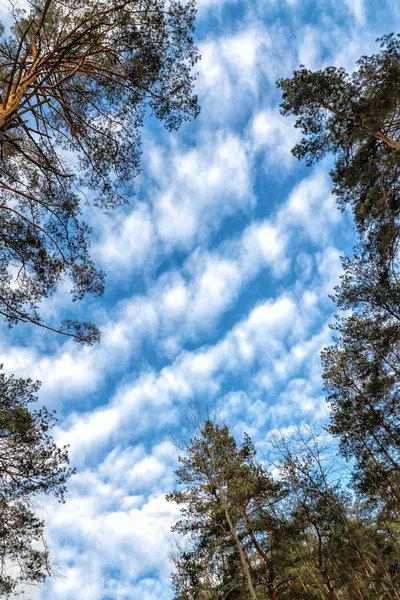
(31,464)
(361,373)
(76,80)
(356,117)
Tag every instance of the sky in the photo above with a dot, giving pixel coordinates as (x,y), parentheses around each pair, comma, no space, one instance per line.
(218,281)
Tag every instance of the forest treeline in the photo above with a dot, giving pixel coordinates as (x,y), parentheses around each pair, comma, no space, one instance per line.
(311,520)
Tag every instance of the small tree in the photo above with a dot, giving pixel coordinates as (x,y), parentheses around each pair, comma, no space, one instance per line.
(31,464)
(76,79)
(230,520)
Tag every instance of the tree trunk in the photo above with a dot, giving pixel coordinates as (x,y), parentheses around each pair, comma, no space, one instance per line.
(272,592)
(14,100)
(241,554)
(263,559)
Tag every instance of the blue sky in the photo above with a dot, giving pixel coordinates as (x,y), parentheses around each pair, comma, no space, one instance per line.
(217,291)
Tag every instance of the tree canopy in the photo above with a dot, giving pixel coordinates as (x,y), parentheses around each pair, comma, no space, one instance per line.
(76,80)
(356,118)
(31,464)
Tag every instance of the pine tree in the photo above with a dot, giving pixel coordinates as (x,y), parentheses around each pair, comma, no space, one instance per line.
(76,80)
(230,521)
(356,118)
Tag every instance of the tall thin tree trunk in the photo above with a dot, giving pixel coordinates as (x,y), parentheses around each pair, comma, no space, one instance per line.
(263,559)
(241,553)
(232,530)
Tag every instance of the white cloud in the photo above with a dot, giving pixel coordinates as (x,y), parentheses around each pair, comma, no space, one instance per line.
(232,69)
(132,541)
(310,48)
(312,208)
(275,134)
(262,338)
(204,6)
(357,8)
(112,523)
(216,173)
(187,194)
(126,241)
